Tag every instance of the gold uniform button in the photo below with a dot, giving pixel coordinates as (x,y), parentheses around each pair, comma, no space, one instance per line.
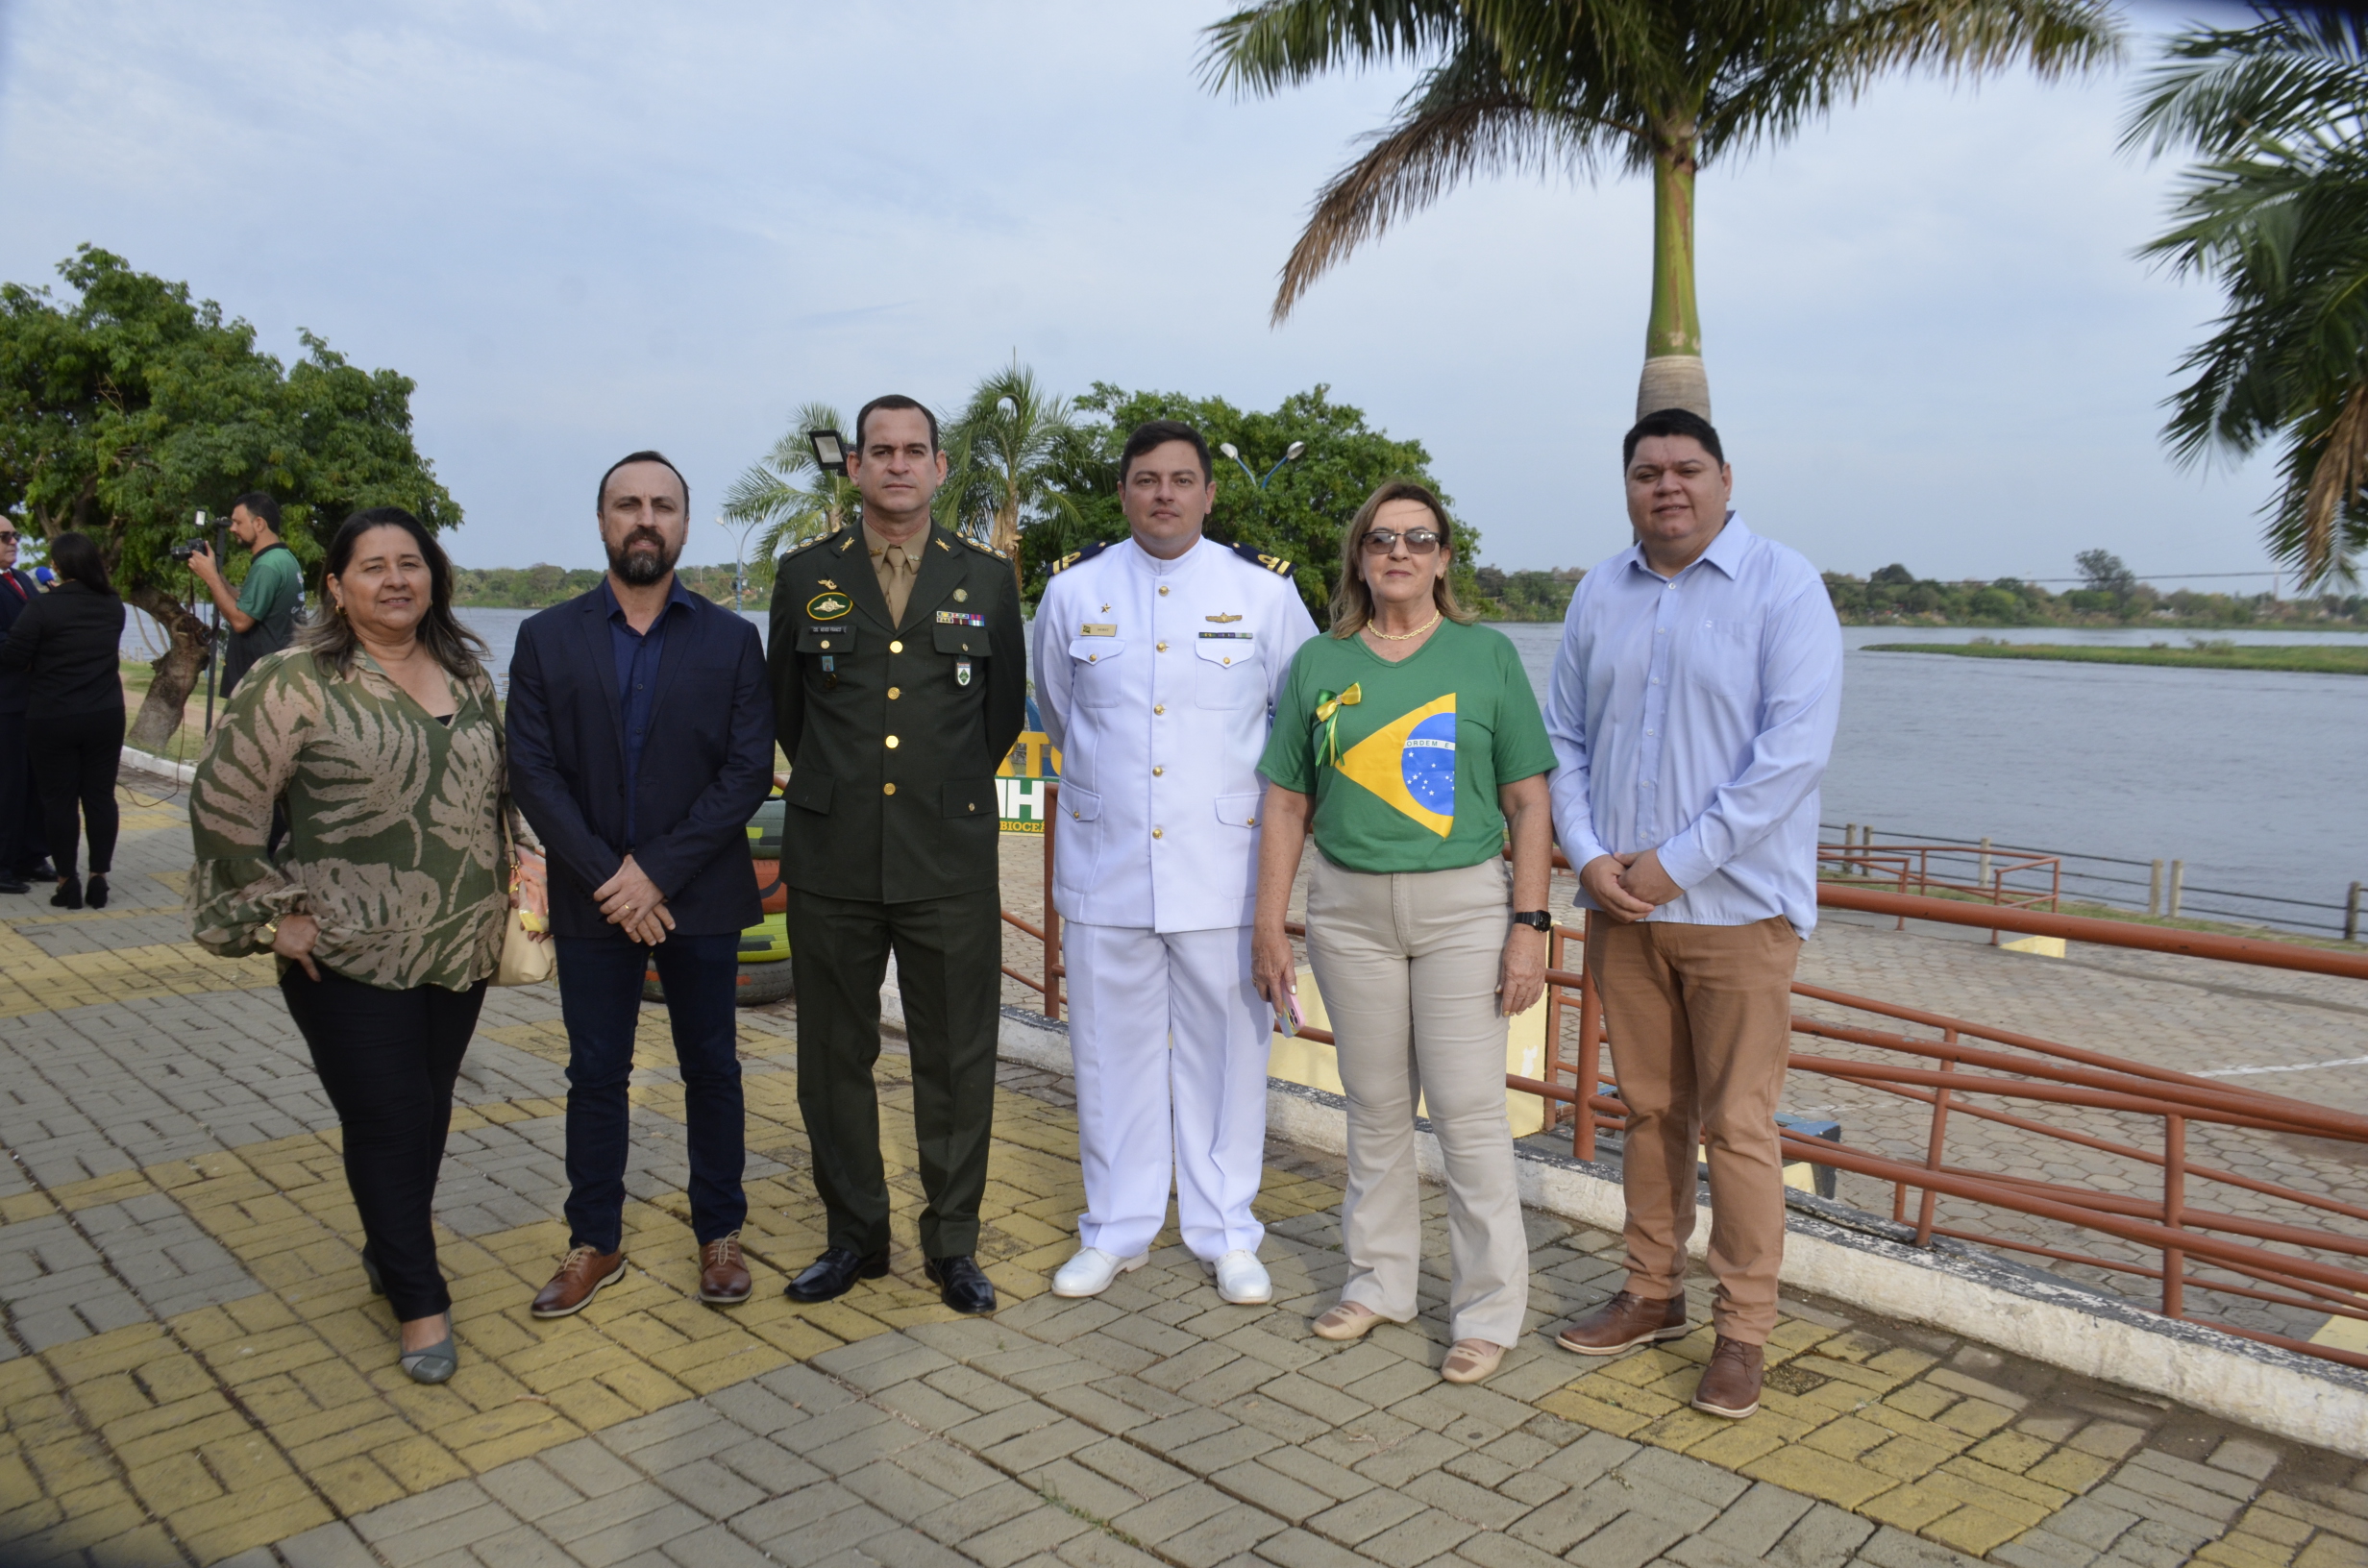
(1156,772)
(1163,590)
(887,788)
(896,647)
(1155,832)
(894,694)
(1092,658)
(1229,658)
(1249,821)
(825,642)
(892,742)
(1159,707)
(1163,647)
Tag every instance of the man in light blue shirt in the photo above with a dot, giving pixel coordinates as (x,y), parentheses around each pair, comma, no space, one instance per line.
(1692,711)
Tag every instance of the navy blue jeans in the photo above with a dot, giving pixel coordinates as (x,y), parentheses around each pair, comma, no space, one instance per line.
(599,998)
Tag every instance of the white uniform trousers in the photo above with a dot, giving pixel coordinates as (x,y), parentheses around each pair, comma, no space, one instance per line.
(1144,1109)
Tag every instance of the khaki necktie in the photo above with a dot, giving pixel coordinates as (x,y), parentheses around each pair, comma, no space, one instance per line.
(896,570)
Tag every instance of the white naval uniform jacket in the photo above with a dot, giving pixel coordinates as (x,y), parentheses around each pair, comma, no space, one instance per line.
(1157,681)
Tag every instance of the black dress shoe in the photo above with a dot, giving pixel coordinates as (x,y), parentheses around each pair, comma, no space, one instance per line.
(10,883)
(40,871)
(960,1284)
(834,1274)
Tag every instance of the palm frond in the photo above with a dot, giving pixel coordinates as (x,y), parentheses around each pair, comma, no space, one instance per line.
(2218,90)
(1461,121)
(2338,475)
(1274,44)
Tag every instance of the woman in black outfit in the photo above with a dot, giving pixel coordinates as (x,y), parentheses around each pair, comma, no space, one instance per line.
(66,641)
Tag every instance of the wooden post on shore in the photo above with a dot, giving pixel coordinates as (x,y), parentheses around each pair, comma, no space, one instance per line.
(2154,891)
(2178,882)
(1849,841)
(1981,878)
(2350,914)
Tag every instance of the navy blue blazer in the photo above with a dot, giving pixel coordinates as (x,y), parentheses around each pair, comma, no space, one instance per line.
(705,764)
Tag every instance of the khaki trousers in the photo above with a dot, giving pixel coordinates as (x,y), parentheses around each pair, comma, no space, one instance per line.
(1407,965)
(1700,1022)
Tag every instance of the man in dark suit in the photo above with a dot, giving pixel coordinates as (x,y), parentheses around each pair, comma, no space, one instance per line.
(21,861)
(900,682)
(639,746)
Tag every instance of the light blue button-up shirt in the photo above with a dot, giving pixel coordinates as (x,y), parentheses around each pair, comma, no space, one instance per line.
(1695,714)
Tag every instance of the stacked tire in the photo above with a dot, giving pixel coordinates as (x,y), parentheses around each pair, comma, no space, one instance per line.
(764,948)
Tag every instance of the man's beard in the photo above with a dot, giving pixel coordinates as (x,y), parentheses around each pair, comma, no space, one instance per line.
(642,567)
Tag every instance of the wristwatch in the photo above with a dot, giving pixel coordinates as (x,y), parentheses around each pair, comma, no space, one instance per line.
(1537,919)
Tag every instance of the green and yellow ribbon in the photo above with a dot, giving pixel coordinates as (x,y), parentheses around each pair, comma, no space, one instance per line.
(1328,705)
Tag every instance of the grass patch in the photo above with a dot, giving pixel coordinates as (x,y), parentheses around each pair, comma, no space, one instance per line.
(2305,658)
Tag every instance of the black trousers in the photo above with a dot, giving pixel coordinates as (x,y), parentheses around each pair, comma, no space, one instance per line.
(389,1060)
(24,837)
(949,966)
(74,763)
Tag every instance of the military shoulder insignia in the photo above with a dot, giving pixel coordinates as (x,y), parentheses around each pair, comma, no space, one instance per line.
(802,547)
(826,583)
(828,606)
(1076,556)
(1271,563)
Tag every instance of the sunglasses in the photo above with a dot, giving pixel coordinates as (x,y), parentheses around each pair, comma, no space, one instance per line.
(9,538)
(1419,541)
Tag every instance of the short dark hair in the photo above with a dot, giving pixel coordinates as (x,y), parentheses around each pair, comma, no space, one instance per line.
(258,503)
(1671,422)
(77,560)
(1158,433)
(894,400)
(600,498)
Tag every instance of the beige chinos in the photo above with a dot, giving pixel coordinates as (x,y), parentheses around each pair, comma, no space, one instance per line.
(1700,1021)
(1407,965)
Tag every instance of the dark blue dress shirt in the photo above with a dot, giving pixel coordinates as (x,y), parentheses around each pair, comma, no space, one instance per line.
(638,654)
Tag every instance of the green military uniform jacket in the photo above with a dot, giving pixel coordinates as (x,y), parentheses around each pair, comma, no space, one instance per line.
(894,732)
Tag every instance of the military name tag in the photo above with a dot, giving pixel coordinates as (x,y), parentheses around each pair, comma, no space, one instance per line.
(1097,629)
(828,630)
(958,617)
(828,606)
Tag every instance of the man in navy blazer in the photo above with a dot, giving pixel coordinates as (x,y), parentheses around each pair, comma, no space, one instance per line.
(21,861)
(640,743)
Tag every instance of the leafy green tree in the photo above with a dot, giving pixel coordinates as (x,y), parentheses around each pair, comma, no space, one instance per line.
(1002,450)
(2276,211)
(127,408)
(1297,517)
(789,492)
(1567,86)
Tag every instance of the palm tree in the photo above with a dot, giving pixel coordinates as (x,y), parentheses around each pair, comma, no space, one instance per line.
(789,491)
(1001,449)
(2276,211)
(1567,86)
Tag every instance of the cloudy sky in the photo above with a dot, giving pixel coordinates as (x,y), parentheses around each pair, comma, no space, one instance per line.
(590,227)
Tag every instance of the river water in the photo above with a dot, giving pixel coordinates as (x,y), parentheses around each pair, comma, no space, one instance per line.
(2252,777)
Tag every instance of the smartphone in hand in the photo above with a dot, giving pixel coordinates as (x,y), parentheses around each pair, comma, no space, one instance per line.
(1295,1022)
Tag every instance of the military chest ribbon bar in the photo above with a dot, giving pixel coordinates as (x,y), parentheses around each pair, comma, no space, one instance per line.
(1328,705)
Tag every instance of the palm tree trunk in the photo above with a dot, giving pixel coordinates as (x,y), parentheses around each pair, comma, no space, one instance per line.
(1673,375)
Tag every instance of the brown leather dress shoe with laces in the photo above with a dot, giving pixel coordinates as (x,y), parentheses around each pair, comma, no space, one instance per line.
(1623,1323)
(1730,1385)
(579,1278)
(723,1276)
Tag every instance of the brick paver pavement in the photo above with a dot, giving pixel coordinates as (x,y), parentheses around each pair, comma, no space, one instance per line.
(195,1372)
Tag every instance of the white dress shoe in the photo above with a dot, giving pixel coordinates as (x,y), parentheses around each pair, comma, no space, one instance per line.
(1089,1272)
(1242,1279)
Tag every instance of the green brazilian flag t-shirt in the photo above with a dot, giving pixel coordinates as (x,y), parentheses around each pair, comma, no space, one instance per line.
(1404,760)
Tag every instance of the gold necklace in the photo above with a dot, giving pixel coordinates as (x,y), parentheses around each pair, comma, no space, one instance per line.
(1436,616)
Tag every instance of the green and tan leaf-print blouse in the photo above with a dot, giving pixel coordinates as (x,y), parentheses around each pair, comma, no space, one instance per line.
(394,823)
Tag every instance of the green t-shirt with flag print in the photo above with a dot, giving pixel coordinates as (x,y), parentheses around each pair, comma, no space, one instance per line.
(1405,759)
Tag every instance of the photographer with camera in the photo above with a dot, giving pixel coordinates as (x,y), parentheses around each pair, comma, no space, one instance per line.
(261,616)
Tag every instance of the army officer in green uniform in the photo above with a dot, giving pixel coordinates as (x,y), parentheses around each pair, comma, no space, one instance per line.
(900,682)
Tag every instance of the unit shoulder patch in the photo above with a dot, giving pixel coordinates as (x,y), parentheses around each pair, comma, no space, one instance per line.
(1076,556)
(1271,563)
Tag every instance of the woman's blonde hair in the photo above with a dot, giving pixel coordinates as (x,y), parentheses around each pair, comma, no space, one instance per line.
(1352,601)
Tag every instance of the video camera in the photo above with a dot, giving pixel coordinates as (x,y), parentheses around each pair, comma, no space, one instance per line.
(212,545)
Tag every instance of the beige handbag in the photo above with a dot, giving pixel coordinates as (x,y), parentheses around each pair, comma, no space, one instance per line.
(525,961)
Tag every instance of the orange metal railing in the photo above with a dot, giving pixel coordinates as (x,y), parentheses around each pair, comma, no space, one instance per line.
(2302,1251)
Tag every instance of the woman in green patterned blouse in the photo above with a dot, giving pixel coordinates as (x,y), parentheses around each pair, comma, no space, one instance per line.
(387,907)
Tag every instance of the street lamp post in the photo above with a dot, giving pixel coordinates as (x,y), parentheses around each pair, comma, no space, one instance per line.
(1291,454)
(739,558)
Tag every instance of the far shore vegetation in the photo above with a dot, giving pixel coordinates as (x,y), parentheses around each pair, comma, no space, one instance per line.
(2307,658)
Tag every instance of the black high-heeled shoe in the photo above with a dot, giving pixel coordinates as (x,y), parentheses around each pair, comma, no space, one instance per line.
(69,894)
(94,891)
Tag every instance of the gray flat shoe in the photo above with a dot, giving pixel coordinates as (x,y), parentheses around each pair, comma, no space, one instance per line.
(434,1364)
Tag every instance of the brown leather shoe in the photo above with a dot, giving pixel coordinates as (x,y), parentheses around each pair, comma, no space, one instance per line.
(1623,1323)
(722,1278)
(1730,1385)
(579,1278)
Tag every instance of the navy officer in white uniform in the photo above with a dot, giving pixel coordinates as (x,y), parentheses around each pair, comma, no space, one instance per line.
(1157,661)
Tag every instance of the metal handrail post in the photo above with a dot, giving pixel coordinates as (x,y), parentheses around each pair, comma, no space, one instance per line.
(2174,1212)
(1052,916)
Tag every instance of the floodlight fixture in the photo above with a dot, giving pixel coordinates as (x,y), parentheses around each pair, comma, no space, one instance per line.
(829,451)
